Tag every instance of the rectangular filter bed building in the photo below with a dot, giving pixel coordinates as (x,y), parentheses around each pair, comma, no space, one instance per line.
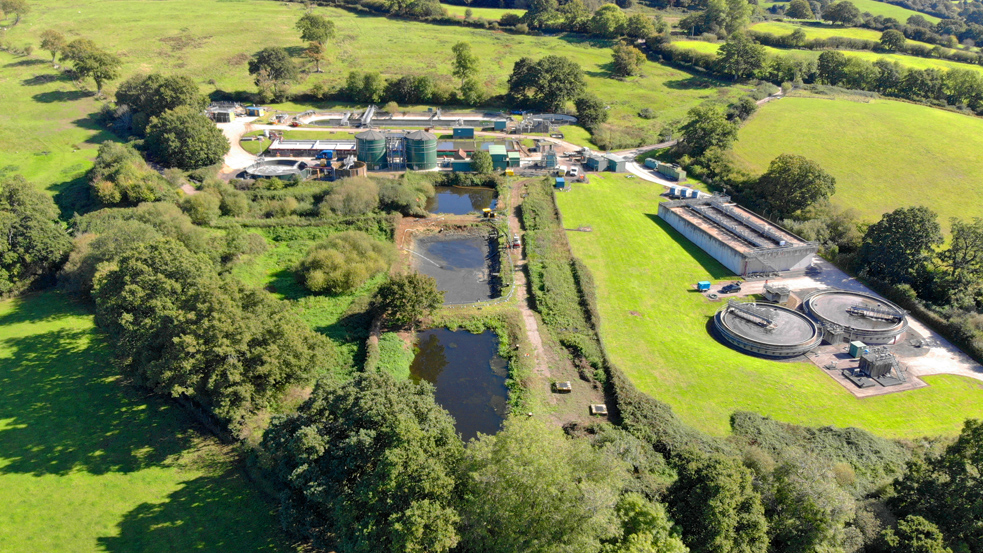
(740,240)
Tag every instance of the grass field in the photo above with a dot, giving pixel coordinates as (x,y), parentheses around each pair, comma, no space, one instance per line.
(642,266)
(492,14)
(913,62)
(211,41)
(822,30)
(876,8)
(884,154)
(89,464)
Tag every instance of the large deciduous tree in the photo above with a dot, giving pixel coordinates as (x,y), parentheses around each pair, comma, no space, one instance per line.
(481,162)
(19,8)
(715,503)
(914,534)
(531,488)
(120,176)
(183,137)
(892,39)
(274,70)
(33,240)
(962,261)
(707,128)
(609,21)
(154,94)
(368,465)
(842,12)
(89,61)
(407,298)
(792,183)
(945,489)
(800,9)
(182,331)
(591,111)
(465,64)
(316,30)
(547,84)
(52,41)
(627,60)
(740,57)
(899,247)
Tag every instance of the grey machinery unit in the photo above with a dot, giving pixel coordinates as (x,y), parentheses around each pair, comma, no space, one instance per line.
(370,147)
(421,151)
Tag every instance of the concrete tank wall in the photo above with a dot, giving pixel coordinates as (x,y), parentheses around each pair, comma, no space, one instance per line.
(727,256)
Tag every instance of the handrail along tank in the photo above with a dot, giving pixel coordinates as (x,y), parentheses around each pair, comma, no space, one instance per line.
(370,147)
(421,151)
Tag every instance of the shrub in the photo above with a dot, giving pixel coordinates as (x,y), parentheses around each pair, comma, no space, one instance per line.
(203,207)
(352,196)
(344,262)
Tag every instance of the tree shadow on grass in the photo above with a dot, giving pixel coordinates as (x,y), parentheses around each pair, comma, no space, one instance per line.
(75,198)
(693,82)
(46,78)
(62,407)
(709,264)
(209,513)
(27,63)
(56,96)
(102,134)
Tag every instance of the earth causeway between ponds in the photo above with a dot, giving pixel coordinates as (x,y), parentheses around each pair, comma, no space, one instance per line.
(462,263)
(459,200)
(468,376)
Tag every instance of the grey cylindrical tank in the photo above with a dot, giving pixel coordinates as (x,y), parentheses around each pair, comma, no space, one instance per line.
(370,147)
(421,151)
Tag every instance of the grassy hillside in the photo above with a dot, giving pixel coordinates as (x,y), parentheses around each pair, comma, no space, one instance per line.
(89,464)
(884,154)
(913,62)
(655,329)
(211,40)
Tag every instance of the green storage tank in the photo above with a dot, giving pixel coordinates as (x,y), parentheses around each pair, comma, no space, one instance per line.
(370,147)
(421,151)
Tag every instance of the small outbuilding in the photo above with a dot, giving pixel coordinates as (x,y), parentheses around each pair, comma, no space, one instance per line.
(255,111)
(223,115)
(500,157)
(463,132)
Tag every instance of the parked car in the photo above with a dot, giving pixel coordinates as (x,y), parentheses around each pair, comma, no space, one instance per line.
(731,288)
(516,242)
(574,172)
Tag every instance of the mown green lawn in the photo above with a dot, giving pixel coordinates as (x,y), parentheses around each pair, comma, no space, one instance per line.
(212,40)
(643,266)
(88,463)
(884,154)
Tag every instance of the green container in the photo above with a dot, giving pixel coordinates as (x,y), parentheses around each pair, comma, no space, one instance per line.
(370,147)
(421,151)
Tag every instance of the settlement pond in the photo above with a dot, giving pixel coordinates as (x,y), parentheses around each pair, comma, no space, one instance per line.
(468,376)
(462,263)
(461,200)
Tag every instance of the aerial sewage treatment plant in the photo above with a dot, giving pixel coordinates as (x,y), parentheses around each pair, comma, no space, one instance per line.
(767,329)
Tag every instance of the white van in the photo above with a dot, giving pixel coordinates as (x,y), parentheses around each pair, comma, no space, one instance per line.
(574,172)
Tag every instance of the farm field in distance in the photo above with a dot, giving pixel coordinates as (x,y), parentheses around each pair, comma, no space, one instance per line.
(641,265)
(876,8)
(491,14)
(814,29)
(88,463)
(912,62)
(884,154)
(198,39)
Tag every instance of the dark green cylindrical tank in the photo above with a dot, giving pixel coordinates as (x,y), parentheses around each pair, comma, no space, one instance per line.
(421,151)
(370,147)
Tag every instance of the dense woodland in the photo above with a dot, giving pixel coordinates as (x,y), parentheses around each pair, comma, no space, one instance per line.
(369,462)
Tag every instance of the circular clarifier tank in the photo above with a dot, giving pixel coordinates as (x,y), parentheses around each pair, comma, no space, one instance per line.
(858,316)
(767,329)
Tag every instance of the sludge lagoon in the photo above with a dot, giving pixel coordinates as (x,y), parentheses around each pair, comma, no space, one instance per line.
(463,264)
(468,376)
(461,200)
